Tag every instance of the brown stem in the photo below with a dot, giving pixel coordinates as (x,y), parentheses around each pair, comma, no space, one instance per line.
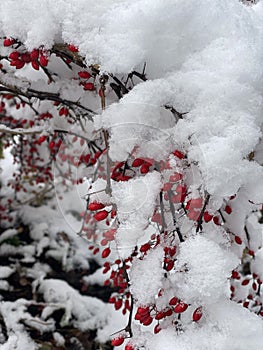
(128,328)
(162,212)
(200,219)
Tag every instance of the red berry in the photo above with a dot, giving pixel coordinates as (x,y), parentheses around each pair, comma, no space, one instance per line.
(84,74)
(194,203)
(17,63)
(197,314)
(147,321)
(178,154)
(89,86)
(157,329)
(101,215)
(173,301)
(117,341)
(181,307)
(14,55)
(129,346)
(8,42)
(160,315)
(207,217)
(228,210)
(95,251)
(193,215)
(251,252)
(145,247)
(144,169)
(238,240)
(104,242)
(137,162)
(172,251)
(41,139)
(175,177)
(245,304)
(167,186)
(63,111)
(72,48)
(216,220)
(105,253)
(143,310)
(168,313)
(34,54)
(25,57)
(112,300)
(35,65)
(118,304)
(235,275)
(245,282)
(51,144)
(43,60)
(169,265)
(95,206)
(181,191)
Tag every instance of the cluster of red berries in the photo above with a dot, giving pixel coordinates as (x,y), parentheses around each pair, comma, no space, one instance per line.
(18,59)
(252,283)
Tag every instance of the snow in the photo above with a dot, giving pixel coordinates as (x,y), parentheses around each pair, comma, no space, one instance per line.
(6,271)
(202,58)
(84,312)
(213,73)
(8,234)
(60,229)
(222,332)
(13,313)
(203,282)
(98,277)
(149,274)
(135,200)
(257,263)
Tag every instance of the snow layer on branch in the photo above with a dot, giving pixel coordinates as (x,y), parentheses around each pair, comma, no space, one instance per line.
(149,273)
(203,282)
(204,59)
(139,121)
(135,200)
(121,34)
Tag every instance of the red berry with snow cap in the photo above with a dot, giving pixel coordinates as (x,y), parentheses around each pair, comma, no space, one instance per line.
(117,341)
(181,307)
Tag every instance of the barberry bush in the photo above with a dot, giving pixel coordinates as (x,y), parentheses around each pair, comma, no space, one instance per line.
(144,118)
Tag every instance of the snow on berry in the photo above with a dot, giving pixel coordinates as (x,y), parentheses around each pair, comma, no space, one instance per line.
(117,341)
(180,307)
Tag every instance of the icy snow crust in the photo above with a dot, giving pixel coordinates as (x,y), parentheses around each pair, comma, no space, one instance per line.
(205,58)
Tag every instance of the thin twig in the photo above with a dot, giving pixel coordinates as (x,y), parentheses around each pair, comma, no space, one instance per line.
(172,209)
(200,218)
